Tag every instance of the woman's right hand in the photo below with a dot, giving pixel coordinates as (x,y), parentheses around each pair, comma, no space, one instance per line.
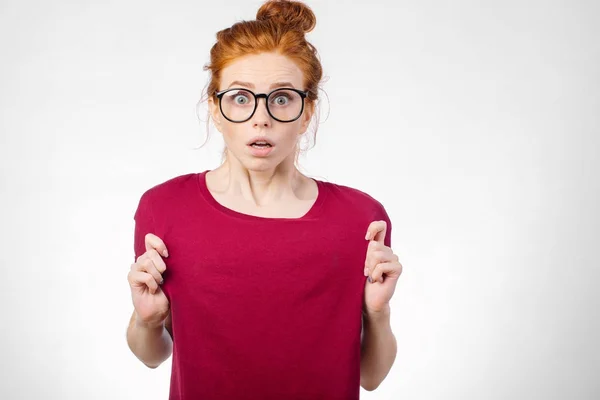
(145,277)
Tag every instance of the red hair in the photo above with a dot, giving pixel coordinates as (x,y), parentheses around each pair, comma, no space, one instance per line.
(279,27)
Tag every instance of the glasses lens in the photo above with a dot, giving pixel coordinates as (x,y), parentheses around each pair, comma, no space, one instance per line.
(237,104)
(284,104)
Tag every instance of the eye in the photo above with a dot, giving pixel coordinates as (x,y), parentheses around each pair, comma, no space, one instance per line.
(281,99)
(240,98)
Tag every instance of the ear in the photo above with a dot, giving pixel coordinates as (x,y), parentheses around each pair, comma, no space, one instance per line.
(215,113)
(307,115)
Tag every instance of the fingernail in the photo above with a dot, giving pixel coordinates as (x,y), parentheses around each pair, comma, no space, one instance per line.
(161,282)
(370,280)
(367,236)
(366,271)
(165,253)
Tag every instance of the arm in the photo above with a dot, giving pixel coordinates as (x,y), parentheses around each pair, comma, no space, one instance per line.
(151,345)
(378,349)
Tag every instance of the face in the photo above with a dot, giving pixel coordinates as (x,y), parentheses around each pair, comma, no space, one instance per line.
(259,73)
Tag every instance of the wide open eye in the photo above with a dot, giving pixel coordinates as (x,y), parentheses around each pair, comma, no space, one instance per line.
(284,97)
(239,98)
(281,100)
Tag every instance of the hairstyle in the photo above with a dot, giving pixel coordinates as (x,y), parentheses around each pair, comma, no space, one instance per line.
(279,27)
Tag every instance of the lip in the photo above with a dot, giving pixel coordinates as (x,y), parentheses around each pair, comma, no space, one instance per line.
(260,139)
(257,152)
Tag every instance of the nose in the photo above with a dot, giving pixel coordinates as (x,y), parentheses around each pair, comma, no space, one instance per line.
(261,116)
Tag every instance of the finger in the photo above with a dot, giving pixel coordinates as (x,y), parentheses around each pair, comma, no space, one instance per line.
(158,261)
(376,231)
(146,264)
(377,254)
(154,242)
(390,269)
(376,246)
(138,279)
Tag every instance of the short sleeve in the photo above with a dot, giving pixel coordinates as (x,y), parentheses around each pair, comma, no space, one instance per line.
(388,234)
(144,223)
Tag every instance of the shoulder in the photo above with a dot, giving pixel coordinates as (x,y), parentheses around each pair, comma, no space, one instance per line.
(359,205)
(165,192)
(171,186)
(353,195)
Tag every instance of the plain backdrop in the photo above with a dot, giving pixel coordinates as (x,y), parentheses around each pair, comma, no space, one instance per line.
(475,123)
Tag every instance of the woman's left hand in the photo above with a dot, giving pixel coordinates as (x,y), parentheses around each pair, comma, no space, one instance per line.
(383,269)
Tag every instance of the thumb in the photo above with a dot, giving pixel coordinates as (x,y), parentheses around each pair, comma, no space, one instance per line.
(377,231)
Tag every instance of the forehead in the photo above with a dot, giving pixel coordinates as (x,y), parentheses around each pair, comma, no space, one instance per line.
(262,70)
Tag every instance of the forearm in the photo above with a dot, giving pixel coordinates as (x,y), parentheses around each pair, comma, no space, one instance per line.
(378,349)
(151,345)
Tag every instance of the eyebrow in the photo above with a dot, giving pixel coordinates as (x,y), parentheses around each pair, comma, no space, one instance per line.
(251,85)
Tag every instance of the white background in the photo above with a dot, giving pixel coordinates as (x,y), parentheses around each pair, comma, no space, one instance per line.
(475,123)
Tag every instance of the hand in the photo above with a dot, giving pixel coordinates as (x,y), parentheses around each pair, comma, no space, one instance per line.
(145,277)
(383,269)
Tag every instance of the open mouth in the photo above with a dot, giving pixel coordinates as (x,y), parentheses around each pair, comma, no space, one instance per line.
(260,145)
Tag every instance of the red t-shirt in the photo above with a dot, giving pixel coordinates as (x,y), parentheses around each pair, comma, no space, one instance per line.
(262,308)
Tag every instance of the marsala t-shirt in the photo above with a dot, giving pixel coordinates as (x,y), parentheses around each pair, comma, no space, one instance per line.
(262,308)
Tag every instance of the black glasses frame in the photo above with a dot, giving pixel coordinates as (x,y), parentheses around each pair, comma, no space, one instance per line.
(266,96)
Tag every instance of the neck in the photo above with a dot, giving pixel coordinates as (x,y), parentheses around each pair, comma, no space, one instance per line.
(263,186)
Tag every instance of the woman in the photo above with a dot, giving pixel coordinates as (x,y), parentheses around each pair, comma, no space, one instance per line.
(261,282)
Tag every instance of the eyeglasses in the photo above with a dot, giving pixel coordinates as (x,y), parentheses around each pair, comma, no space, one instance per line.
(283,104)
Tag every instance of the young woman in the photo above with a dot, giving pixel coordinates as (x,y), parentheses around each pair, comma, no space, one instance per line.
(261,282)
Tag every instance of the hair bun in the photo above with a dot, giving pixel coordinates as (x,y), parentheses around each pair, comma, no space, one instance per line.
(294,14)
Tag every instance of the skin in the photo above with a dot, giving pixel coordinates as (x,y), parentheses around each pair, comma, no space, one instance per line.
(268,186)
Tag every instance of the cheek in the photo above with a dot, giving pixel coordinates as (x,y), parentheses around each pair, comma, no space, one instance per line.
(293,131)
(232,134)
(290,138)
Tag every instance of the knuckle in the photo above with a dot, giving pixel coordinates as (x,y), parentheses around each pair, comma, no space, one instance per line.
(138,266)
(375,275)
(160,266)
(152,271)
(146,261)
